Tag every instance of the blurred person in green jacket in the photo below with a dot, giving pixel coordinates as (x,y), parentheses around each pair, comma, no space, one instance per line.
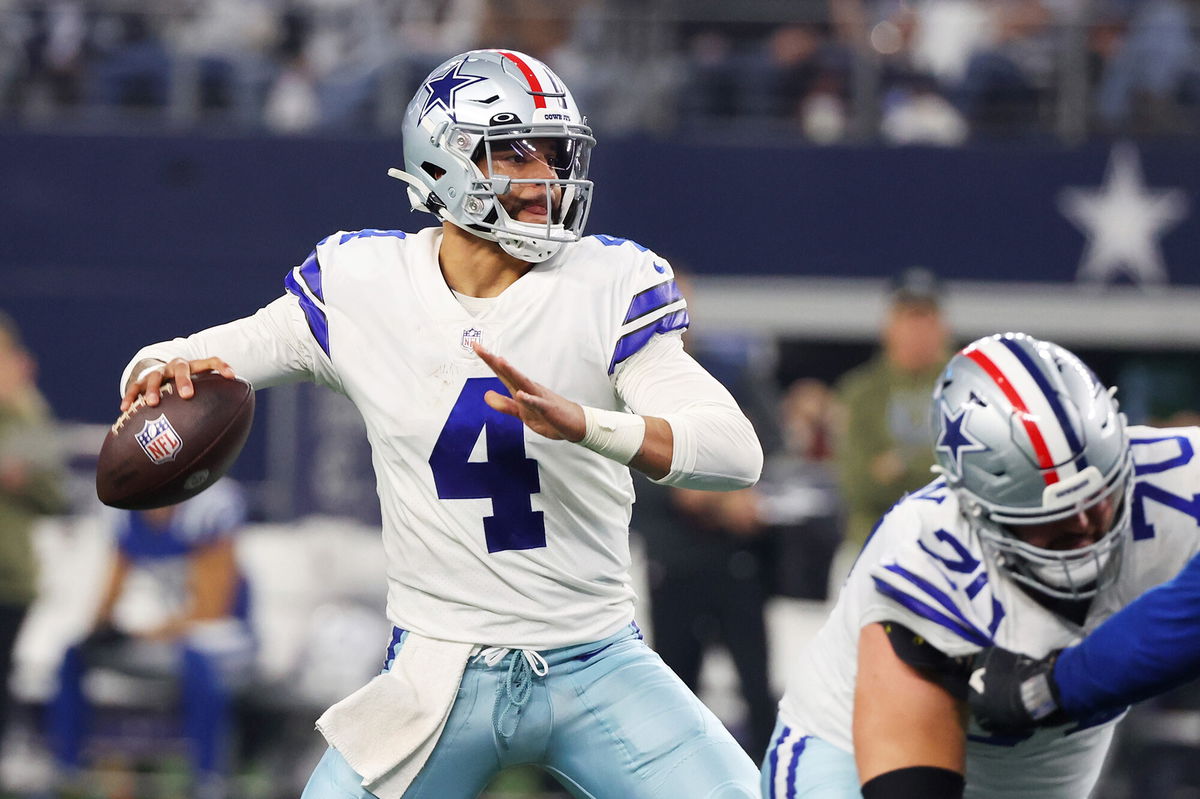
(885,448)
(29,487)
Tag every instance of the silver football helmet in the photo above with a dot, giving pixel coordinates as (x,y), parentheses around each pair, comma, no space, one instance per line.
(1026,434)
(481,103)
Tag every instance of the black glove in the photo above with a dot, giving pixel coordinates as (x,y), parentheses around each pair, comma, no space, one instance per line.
(1011,692)
(104,636)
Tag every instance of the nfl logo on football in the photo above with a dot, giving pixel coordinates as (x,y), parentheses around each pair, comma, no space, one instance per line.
(470,336)
(159,440)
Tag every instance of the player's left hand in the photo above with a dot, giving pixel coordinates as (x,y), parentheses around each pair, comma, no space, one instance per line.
(542,411)
(1011,692)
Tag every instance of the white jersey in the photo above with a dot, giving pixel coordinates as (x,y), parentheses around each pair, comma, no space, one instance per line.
(925,568)
(493,534)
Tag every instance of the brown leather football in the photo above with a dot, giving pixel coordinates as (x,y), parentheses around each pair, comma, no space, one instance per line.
(161,455)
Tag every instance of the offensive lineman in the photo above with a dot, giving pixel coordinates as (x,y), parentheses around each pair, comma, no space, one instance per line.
(1049,516)
(505,505)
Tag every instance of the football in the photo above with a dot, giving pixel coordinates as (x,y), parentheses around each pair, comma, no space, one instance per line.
(161,455)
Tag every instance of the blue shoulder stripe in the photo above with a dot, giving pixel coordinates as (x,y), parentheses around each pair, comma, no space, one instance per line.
(652,299)
(318,324)
(956,622)
(370,233)
(630,343)
(310,270)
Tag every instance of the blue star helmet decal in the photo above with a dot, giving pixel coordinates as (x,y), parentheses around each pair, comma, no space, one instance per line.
(955,440)
(442,89)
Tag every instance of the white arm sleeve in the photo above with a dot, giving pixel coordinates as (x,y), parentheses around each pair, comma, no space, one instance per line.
(271,347)
(716,447)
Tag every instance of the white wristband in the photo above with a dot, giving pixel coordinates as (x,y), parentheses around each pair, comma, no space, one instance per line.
(154,367)
(613,434)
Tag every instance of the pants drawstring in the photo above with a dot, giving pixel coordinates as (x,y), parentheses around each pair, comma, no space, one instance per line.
(515,689)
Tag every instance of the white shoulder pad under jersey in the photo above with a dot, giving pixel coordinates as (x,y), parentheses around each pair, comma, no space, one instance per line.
(494,534)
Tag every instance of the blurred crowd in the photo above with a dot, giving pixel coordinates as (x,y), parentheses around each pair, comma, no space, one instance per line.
(936,72)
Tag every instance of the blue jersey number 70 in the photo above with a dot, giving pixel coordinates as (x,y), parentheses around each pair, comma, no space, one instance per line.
(507,477)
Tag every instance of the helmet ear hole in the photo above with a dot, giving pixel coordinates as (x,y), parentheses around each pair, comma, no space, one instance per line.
(433,170)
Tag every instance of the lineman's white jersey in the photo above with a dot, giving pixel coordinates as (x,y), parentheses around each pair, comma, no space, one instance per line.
(493,534)
(924,568)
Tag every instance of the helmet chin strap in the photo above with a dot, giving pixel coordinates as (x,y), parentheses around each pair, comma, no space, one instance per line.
(530,250)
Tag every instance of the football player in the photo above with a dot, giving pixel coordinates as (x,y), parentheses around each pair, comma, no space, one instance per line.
(505,502)
(1048,516)
(184,557)
(1148,648)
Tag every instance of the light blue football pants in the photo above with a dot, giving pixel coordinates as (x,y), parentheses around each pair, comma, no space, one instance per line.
(609,720)
(806,767)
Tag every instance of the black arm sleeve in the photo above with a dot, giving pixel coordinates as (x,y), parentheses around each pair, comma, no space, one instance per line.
(948,672)
(916,782)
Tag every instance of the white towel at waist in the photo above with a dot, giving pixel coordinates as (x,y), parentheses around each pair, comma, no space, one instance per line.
(387,729)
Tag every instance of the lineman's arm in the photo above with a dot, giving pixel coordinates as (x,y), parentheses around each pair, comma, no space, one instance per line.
(1149,647)
(909,733)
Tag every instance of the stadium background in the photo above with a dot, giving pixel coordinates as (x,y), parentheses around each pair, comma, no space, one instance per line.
(163,165)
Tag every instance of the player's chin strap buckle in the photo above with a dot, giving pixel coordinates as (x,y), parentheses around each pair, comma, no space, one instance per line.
(516,688)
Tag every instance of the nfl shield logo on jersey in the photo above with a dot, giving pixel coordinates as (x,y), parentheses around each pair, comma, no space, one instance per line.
(159,440)
(470,336)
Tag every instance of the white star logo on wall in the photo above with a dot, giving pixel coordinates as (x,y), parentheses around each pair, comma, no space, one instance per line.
(1123,221)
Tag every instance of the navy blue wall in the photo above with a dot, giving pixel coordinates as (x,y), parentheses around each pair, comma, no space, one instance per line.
(113,242)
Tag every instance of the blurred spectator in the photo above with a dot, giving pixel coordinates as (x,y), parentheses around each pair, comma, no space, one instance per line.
(800,75)
(221,50)
(194,625)
(1006,80)
(717,53)
(798,496)
(917,113)
(1152,73)
(29,487)
(891,40)
(44,50)
(292,104)
(885,449)
(133,67)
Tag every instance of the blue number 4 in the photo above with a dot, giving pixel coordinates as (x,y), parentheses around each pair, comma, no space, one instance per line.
(507,477)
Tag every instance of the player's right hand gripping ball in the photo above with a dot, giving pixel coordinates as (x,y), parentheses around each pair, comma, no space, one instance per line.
(161,455)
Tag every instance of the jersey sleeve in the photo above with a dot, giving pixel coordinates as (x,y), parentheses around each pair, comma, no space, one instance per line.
(286,341)
(715,446)
(653,305)
(932,583)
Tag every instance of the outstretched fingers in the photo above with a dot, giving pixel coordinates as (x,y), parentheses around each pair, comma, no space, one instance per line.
(499,402)
(509,375)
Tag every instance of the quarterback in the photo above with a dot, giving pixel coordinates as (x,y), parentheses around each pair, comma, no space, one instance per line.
(505,503)
(1048,516)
